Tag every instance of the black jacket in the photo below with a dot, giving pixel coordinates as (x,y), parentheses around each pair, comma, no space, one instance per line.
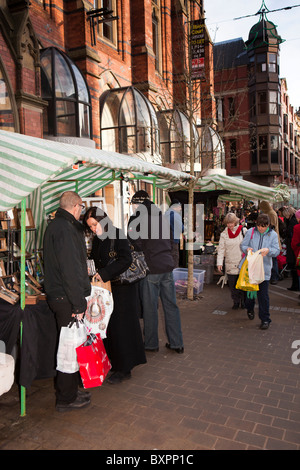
(149,231)
(65,261)
(101,248)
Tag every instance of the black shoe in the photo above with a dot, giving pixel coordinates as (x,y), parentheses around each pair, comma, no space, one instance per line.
(293,288)
(79,403)
(251,314)
(118,377)
(264,325)
(84,394)
(235,306)
(178,350)
(273,282)
(152,350)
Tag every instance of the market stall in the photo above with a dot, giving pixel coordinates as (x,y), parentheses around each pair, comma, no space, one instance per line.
(35,172)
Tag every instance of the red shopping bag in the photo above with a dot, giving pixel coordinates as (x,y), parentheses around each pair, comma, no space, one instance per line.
(93,361)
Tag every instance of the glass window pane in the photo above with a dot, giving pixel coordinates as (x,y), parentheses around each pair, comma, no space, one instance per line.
(127,114)
(64,86)
(127,140)
(66,119)
(46,75)
(84,120)
(81,85)
(6,112)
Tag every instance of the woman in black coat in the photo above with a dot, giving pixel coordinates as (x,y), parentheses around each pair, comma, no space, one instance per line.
(124,342)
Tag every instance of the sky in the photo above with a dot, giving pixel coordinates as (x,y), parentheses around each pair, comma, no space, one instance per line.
(222,26)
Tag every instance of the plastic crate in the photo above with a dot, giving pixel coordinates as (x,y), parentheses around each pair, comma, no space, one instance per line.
(181,280)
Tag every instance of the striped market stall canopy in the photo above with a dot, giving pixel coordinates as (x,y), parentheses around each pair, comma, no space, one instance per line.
(27,163)
(241,189)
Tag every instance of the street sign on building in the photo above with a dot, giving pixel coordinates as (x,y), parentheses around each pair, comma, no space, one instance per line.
(197,43)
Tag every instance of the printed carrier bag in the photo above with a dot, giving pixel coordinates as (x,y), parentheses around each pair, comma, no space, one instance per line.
(99,308)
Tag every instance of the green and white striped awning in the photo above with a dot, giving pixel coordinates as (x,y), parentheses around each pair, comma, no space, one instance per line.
(241,189)
(26,163)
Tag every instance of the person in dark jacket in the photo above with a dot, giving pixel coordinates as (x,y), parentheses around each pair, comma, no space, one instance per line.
(149,231)
(124,341)
(67,285)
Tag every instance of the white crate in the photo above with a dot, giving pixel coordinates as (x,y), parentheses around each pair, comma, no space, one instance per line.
(181,280)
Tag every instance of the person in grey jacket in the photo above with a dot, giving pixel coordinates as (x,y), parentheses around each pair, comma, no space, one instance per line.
(67,285)
(265,239)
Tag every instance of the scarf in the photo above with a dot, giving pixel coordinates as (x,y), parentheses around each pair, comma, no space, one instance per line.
(236,233)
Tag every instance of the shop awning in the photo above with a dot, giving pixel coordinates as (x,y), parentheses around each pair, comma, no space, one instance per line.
(28,163)
(241,189)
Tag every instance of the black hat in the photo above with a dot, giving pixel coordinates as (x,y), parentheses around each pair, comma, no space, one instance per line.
(175,202)
(139,197)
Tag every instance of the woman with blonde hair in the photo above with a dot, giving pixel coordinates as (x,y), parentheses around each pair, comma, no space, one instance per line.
(229,249)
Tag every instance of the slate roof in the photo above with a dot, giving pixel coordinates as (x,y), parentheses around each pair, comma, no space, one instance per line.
(229,54)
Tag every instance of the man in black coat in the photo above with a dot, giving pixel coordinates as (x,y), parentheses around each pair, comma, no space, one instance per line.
(149,231)
(67,285)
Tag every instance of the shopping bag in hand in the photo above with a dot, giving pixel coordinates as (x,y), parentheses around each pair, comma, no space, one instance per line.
(93,361)
(70,338)
(99,307)
(255,267)
(243,282)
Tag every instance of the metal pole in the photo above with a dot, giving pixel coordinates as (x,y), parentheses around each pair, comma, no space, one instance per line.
(22,297)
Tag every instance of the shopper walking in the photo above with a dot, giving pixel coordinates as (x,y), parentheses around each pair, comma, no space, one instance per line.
(149,231)
(67,285)
(230,251)
(266,208)
(265,239)
(124,342)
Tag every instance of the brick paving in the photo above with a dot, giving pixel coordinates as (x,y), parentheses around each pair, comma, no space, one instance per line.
(235,387)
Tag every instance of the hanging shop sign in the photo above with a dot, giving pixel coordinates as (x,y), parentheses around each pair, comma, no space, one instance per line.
(197,48)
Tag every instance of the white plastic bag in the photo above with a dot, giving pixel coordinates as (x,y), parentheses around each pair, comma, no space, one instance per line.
(255,267)
(71,337)
(99,309)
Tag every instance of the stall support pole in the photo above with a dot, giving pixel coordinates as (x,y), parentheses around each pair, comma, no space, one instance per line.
(22,297)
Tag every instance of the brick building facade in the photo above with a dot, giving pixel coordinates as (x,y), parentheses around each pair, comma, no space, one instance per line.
(255,118)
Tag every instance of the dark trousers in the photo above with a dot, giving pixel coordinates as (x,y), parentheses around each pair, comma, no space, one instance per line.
(263,302)
(237,295)
(66,385)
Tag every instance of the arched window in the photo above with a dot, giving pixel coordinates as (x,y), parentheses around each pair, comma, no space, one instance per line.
(175,141)
(8,111)
(65,89)
(128,122)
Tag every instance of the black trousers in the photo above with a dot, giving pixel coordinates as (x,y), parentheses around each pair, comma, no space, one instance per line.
(66,385)
(237,295)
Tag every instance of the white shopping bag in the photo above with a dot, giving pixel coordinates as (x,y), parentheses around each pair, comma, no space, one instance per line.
(71,337)
(99,309)
(255,267)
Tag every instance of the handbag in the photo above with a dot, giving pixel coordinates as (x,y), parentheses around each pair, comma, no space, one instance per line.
(137,271)
(93,361)
(70,338)
(100,305)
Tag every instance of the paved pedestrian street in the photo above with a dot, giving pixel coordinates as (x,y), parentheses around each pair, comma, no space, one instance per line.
(235,387)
